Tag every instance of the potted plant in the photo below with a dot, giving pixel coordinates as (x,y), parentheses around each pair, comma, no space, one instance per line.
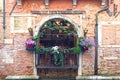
(85,44)
(30,45)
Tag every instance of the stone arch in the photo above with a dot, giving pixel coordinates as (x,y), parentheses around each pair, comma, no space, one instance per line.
(77,27)
(39,25)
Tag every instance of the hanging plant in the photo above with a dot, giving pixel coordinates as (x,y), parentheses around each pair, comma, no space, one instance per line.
(76,50)
(85,44)
(30,45)
(58,56)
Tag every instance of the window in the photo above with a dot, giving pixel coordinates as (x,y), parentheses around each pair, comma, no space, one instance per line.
(20,23)
(109,34)
(58,32)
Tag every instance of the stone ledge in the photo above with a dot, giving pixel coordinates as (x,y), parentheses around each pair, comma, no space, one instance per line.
(23,77)
(98,78)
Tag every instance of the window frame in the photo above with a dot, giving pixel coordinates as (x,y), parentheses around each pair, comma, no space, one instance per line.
(29,23)
(56,32)
(100,26)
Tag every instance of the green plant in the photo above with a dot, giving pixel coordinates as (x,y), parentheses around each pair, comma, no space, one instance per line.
(41,34)
(30,45)
(62,28)
(34,38)
(76,50)
(85,44)
(42,49)
(66,51)
(58,56)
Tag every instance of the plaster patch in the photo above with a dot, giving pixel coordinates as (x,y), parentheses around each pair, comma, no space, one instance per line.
(6,57)
(8,41)
(110,58)
(10,60)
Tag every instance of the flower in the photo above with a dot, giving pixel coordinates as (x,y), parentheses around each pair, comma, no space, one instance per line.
(55,48)
(30,43)
(85,43)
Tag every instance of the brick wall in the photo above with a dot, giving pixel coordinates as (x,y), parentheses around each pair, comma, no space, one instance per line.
(15,60)
(0,5)
(109,61)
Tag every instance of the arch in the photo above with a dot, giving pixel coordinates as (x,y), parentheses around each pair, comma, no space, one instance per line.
(77,27)
(39,25)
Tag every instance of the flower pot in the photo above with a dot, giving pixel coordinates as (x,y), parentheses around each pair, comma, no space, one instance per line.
(30,47)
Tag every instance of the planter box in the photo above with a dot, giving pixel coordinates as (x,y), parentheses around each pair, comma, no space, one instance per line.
(30,49)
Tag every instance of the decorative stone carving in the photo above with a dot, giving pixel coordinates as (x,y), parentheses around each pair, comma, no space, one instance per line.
(74,3)
(19,3)
(46,3)
(103,2)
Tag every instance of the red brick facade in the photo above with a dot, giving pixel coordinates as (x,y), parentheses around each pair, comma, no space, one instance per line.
(15,60)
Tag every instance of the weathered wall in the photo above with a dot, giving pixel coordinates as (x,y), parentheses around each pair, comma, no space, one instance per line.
(0,5)
(15,60)
(109,48)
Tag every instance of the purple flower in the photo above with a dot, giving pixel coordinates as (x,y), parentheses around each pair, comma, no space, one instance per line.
(86,43)
(82,42)
(30,42)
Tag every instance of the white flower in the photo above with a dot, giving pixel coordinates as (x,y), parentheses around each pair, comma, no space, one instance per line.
(55,48)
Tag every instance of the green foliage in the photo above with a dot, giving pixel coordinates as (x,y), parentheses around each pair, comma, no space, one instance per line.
(41,34)
(50,25)
(80,38)
(58,57)
(42,49)
(76,50)
(67,50)
(34,38)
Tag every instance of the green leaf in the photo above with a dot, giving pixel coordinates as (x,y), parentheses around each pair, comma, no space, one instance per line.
(76,50)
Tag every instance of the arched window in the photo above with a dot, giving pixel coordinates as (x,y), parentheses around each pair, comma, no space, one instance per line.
(56,38)
(57,32)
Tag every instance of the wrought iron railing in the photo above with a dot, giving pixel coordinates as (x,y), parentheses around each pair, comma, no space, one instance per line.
(45,65)
(46,61)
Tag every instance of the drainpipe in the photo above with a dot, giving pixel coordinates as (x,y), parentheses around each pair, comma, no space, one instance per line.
(96,40)
(4,20)
(13,8)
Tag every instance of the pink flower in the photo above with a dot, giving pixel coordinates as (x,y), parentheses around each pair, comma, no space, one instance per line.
(85,48)
(30,42)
